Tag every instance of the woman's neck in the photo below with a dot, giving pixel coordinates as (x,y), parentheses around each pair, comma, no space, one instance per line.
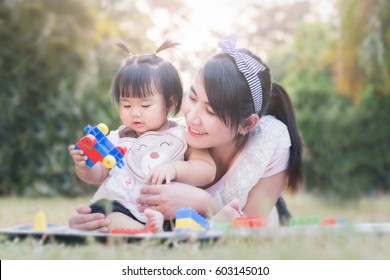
(225,155)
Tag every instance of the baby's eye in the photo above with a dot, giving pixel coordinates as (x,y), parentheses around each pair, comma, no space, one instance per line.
(166,143)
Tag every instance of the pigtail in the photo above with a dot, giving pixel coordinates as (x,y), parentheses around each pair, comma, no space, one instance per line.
(123,46)
(166,45)
(281,107)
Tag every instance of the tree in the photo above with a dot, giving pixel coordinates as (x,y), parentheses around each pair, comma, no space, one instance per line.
(363,53)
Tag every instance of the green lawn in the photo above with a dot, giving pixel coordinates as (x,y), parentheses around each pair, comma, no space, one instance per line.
(319,245)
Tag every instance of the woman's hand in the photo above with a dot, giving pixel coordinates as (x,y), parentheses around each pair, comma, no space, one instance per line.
(168,198)
(83,219)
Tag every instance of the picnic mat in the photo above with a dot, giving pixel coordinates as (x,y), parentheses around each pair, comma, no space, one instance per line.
(55,233)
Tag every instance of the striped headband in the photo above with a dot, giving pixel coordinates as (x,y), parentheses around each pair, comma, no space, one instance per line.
(248,66)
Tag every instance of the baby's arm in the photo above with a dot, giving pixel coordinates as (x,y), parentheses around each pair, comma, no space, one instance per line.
(94,175)
(197,170)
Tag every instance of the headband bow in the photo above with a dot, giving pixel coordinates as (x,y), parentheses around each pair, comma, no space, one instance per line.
(248,66)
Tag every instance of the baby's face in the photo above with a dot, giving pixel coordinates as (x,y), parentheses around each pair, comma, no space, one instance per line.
(144,114)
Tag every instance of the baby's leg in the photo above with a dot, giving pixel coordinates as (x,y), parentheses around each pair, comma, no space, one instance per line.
(155,220)
(227,213)
(120,220)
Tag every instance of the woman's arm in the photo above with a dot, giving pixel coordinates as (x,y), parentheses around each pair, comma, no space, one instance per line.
(262,197)
(168,198)
(83,219)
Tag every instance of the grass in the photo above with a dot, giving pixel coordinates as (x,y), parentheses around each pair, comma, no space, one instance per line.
(320,245)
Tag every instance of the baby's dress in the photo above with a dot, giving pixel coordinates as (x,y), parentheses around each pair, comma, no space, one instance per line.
(124,184)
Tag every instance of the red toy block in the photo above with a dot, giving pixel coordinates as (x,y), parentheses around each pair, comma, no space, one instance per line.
(250,222)
(329,222)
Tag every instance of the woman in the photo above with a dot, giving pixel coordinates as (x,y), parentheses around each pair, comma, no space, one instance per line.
(228,111)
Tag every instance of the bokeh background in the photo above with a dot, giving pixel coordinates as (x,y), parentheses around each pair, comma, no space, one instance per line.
(57,59)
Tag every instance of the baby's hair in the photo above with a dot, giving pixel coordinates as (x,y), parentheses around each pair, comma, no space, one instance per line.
(135,76)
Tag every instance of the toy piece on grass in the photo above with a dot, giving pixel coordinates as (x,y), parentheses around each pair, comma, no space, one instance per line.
(189,219)
(97,147)
(225,226)
(311,220)
(332,221)
(40,222)
(315,220)
(249,222)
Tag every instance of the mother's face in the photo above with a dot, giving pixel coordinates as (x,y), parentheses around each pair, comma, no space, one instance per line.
(204,128)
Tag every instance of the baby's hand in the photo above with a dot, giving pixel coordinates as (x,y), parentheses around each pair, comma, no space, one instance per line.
(78,157)
(163,172)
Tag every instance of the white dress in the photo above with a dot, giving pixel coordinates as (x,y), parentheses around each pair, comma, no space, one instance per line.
(143,153)
(265,154)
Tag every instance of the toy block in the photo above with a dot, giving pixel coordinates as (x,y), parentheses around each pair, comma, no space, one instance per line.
(222,226)
(328,222)
(249,222)
(98,148)
(188,223)
(40,222)
(130,231)
(189,218)
(312,220)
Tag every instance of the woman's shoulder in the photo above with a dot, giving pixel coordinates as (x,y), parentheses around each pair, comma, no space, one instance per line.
(270,129)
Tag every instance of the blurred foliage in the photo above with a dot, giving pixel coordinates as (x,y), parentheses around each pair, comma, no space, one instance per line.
(363,48)
(57,59)
(345,135)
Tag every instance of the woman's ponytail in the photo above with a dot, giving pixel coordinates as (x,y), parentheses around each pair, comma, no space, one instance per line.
(281,107)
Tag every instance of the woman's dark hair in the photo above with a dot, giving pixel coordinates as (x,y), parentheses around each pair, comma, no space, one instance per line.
(137,72)
(281,107)
(231,101)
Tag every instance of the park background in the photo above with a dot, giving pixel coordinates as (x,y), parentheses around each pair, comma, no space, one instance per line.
(57,60)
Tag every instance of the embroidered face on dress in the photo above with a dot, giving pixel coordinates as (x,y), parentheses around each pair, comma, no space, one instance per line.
(154,148)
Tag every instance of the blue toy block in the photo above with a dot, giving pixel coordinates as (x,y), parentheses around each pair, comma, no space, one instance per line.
(97,147)
(189,213)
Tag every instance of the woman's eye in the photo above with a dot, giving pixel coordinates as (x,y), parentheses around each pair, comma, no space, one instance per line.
(191,98)
(145,106)
(211,112)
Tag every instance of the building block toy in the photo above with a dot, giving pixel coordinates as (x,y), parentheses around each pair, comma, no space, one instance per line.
(40,222)
(187,218)
(249,222)
(315,220)
(312,220)
(97,147)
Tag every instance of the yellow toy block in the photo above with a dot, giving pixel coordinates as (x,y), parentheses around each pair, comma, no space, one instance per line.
(188,223)
(40,222)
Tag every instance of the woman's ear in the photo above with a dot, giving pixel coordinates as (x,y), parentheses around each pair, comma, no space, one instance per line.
(249,124)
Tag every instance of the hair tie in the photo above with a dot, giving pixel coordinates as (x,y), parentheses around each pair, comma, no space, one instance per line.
(248,66)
